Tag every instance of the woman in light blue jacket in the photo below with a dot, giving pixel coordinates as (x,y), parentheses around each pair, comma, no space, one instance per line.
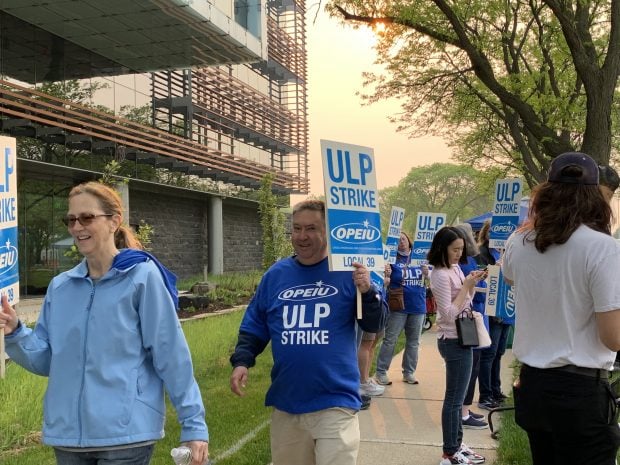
(109,340)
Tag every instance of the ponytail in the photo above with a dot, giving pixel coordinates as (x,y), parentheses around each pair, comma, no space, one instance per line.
(124,238)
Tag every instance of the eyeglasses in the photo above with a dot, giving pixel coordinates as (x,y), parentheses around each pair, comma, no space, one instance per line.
(84,219)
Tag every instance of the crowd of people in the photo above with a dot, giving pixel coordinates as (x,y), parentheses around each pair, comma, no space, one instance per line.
(110,343)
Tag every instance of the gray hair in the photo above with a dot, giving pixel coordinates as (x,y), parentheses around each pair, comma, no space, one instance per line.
(468,234)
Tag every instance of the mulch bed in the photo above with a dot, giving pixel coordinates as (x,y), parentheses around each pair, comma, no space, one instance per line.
(213,307)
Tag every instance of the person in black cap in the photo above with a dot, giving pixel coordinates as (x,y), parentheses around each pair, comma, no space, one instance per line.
(609,181)
(563,263)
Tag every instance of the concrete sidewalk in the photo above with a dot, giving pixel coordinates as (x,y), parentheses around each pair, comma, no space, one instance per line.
(403,426)
(28,309)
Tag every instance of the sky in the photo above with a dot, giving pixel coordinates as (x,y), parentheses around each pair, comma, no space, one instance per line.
(337,56)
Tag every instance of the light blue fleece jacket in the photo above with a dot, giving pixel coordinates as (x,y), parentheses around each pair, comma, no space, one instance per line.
(109,349)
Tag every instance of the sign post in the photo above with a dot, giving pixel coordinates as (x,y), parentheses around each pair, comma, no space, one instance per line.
(394,228)
(500,296)
(352,217)
(427,224)
(9,275)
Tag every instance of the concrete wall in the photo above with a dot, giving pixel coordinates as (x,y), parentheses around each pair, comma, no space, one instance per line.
(243,246)
(180,226)
(179,238)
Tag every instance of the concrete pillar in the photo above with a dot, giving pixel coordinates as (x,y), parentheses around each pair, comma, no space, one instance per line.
(123,189)
(216,235)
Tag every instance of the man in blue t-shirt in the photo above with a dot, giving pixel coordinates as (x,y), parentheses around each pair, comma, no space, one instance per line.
(308,313)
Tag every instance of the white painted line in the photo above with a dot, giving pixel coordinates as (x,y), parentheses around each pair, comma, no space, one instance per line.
(241,442)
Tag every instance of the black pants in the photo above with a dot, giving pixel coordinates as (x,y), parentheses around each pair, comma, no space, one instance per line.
(568,418)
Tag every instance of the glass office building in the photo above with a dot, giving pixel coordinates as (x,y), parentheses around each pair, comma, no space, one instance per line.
(193,102)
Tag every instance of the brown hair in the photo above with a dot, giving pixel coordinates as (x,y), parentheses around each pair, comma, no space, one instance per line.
(111,203)
(557,210)
(313,205)
(408,238)
(483,235)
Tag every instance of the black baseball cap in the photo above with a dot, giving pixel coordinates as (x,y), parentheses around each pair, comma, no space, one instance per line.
(574,168)
(608,177)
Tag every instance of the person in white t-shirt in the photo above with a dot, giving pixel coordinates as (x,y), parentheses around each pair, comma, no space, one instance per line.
(564,264)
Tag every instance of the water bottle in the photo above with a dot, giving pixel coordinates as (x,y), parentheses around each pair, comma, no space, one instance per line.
(181,455)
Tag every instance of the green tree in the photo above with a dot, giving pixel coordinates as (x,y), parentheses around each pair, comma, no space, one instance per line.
(456,190)
(275,241)
(513,83)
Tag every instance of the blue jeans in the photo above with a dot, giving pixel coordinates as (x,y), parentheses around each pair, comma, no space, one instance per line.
(458,362)
(127,456)
(412,324)
(489,378)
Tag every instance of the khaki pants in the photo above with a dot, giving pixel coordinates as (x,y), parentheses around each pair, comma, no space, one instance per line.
(326,437)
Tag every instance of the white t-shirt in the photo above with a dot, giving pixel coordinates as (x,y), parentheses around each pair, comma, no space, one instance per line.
(557,293)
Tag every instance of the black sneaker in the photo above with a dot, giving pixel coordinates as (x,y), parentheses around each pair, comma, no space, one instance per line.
(472,423)
(365,402)
(477,416)
(488,404)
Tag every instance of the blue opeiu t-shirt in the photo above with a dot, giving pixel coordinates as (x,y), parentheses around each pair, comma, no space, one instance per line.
(411,279)
(309,314)
(478,302)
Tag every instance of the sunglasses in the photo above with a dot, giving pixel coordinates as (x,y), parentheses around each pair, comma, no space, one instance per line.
(84,219)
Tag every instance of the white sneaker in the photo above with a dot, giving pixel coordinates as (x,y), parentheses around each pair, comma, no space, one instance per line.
(456,459)
(371,388)
(383,379)
(471,455)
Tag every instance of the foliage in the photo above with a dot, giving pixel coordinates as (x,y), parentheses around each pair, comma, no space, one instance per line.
(512,84)
(275,241)
(109,175)
(456,190)
(73,254)
(230,288)
(145,234)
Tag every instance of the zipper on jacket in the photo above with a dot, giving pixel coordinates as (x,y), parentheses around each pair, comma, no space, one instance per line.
(90,304)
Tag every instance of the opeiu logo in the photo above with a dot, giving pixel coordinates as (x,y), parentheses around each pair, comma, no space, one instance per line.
(503,228)
(420,251)
(308,292)
(356,233)
(8,257)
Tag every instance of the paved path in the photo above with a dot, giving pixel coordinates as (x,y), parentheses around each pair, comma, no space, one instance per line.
(403,427)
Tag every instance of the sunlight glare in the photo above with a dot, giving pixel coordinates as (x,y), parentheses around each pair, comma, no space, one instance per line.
(378,27)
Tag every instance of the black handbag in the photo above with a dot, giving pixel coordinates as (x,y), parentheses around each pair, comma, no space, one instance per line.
(466,329)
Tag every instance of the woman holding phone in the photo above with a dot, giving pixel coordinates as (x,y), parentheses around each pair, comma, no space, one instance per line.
(453,293)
